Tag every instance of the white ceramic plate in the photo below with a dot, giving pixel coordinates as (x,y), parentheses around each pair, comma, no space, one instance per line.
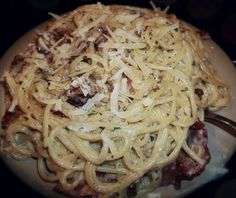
(221,144)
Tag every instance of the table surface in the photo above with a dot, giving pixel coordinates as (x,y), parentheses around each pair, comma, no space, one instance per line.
(218,18)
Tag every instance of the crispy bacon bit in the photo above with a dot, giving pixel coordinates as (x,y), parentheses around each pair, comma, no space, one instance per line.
(199,93)
(87,60)
(10,117)
(59,113)
(17,59)
(131,190)
(102,30)
(49,57)
(81,191)
(146,27)
(76,97)
(82,47)
(58,33)
(77,100)
(41,50)
(18,63)
(98,41)
(39,47)
(101,38)
(185,168)
(73,91)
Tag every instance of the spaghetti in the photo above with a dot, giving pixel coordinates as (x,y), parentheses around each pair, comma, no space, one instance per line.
(106,95)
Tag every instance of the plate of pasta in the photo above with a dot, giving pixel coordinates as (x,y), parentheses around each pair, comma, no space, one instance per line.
(108,101)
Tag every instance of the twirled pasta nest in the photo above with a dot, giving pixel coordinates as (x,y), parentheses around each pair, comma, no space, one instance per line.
(110,99)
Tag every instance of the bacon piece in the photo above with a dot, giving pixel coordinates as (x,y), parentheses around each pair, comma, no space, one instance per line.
(58,32)
(102,30)
(199,93)
(10,117)
(59,113)
(48,55)
(185,168)
(17,59)
(101,38)
(76,97)
(87,60)
(77,100)
(82,47)
(81,191)
(17,64)
(131,190)
(98,41)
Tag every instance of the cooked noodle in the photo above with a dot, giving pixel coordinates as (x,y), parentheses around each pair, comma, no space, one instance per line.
(109,89)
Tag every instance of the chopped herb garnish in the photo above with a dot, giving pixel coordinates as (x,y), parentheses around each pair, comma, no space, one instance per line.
(185,89)
(128,50)
(152,138)
(116,128)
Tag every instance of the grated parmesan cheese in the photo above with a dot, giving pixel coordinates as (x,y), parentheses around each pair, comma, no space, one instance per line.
(92,101)
(80,81)
(79,127)
(126,35)
(124,18)
(58,105)
(147,102)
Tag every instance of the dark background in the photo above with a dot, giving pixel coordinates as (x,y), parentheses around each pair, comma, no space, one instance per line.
(218,17)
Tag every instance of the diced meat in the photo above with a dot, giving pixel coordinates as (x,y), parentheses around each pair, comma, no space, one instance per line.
(18,63)
(98,41)
(131,190)
(49,57)
(17,59)
(185,168)
(82,47)
(10,117)
(58,33)
(59,114)
(102,30)
(101,38)
(199,93)
(87,60)
(77,100)
(76,97)
(81,191)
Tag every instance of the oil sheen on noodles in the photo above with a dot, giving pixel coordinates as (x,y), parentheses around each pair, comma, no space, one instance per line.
(106,94)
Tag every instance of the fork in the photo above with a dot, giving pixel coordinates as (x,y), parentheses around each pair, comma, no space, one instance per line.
(221,121)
